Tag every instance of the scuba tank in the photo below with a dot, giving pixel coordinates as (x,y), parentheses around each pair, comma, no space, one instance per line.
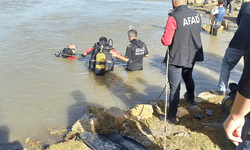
(100,62)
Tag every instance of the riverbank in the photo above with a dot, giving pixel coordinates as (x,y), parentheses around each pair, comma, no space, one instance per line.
(190,133)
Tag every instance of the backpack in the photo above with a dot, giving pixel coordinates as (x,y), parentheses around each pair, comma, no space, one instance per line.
(101,60)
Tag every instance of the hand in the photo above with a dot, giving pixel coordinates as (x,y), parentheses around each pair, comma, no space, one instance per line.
(73,51)
(233,128)
(113,53)
(84,54)
(170,11)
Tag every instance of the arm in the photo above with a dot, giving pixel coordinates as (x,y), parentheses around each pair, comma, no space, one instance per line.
(114,54)
(239,16)
(85,53)
(146,54)
(212,15)
(113,50)
(235,121)
(170,28)
(214,11)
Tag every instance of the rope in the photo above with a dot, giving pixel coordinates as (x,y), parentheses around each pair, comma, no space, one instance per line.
(165,119)
(161,92)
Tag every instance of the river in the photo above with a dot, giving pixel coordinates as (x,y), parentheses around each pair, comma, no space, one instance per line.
(38,91)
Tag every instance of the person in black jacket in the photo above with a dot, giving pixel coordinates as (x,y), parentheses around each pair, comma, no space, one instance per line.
(135,52)
(238,47)
(237,124)
(182,35)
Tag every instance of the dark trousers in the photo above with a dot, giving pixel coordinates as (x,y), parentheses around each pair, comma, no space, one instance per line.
(231,5)
(175,74)
(214,29)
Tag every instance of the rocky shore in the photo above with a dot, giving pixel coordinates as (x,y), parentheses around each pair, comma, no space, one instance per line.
(143,124)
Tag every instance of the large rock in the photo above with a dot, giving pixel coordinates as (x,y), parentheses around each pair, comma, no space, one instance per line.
(205,96)
(199,1)
(182,112)
(118,114)
(87,122)
(142,111)
(191,2)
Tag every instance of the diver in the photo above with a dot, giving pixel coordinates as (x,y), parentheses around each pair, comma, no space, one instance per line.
(101,60)
(68,52)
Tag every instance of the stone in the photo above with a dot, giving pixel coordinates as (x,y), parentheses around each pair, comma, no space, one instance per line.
(206,95)
(88,122)
(191,1)
(198,99)
(182,112)
(199,1)
(118,114)
(181,134)
(142,110)
(194,107)
(57,131)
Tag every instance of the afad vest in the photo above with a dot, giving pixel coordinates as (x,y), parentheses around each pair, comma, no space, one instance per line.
(219,17)
(101,60)
(186,46)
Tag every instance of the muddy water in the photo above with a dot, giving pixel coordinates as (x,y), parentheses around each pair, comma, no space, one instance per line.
(38,91)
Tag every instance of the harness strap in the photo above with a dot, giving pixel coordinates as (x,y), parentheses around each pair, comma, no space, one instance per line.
(100,63)
(216,23)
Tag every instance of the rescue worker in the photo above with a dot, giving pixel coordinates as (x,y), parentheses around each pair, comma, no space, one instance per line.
(217,15)
(182,35)
(135,52)
(231,6)
(101,45)
(237,124)
(238,47)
